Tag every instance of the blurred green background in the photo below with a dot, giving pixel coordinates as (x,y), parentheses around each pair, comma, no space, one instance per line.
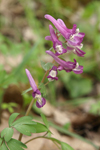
(22,45)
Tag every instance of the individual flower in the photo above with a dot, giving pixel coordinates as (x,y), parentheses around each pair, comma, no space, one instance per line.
(76,50)
(60,25)
(53,74)
(57,45)
(67,66)
(36,93)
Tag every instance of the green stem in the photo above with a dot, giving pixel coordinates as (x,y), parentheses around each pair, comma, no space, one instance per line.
(46,73)
(44,138)
(27,113)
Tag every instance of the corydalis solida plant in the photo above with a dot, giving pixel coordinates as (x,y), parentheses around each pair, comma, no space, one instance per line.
(25,125)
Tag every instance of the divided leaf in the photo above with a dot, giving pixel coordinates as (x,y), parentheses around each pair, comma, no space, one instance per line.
(24,120)
(45,120)
(7,133)
(40,128)
(42,89)
(46,66)
(3,147)
(15,145)
(25,129)
(1,141)
(12,118)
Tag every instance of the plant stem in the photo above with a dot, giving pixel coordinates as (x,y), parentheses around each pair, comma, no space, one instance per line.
(44,138)
(44,76)
(27,113)
(46,73)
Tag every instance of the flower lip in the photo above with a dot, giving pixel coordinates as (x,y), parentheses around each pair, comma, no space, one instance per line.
(52,74)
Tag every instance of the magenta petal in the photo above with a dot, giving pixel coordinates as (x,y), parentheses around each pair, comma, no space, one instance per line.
(52,33)
(79,52)
(48,38)
(60,21)
(79,70)
(31,80)
(60,68)
(41,105)
(56,24)
(58,60)
(36,92)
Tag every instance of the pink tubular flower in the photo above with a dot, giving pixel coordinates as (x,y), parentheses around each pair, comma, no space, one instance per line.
(67,66)
(36,93)
(52,74)
(57,45)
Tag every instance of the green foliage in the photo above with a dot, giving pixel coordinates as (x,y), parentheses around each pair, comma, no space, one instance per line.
(40,128)
(63,130)
(3,147)
(46,66)
(45,120)
(24,125)
(67,126)
(16,145)
(23,120)
(25,129)
(1,141)
(65,146)
(26,91)
(9,106)
(7,133)
(95,108)
(12,118)
(42,89)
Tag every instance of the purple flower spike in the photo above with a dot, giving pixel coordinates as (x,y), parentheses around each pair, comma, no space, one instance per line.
(59,25)
(57,45)
(67,66)
(52,74)
(36,93)
(72,36)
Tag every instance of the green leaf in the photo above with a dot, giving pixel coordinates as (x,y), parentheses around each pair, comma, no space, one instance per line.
(25,129)
(40,128)
(24,120)
(42,89)
(79,87)
(67,126)
(3,147)
(16,145)
(65,146)
(1,141)
(26,91)
(10,109)
(12,118)
(46,66)
(7,133)
(13,104)
(4,106)
(45,120)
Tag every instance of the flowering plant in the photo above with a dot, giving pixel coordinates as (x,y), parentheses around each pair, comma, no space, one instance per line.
(25,125)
